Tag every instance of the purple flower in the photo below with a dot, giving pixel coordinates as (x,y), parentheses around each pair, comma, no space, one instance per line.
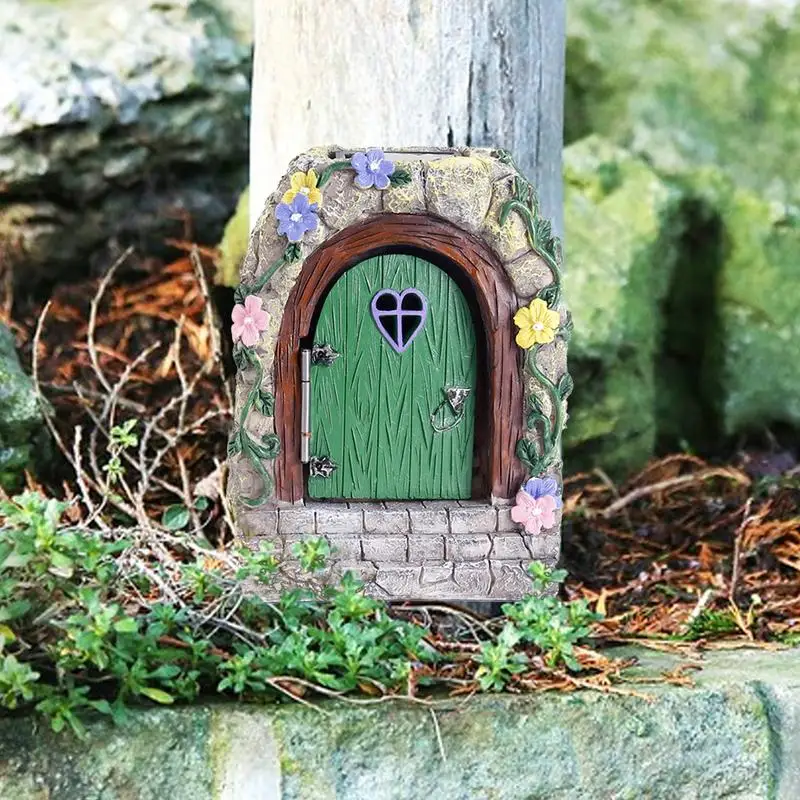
(297,217)
(541,487)
(372,169)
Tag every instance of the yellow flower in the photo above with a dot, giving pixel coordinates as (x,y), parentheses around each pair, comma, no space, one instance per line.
(537,324)
(304,183)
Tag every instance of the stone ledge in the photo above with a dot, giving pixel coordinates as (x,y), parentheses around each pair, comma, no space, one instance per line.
(730,736)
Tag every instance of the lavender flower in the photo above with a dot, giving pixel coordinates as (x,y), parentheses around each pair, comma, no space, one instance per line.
(297,217)
(540,487)
(372,169)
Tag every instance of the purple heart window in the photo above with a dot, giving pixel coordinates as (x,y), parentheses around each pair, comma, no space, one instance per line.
(399,316)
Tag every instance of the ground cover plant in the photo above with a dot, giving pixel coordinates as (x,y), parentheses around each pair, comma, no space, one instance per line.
(121,580)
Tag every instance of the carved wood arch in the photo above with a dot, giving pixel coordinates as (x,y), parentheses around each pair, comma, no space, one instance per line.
(479,269)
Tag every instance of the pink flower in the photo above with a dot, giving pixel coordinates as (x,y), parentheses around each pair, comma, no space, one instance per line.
(534,513)
(249,319)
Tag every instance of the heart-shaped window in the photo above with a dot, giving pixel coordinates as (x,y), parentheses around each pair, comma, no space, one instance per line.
(399,316)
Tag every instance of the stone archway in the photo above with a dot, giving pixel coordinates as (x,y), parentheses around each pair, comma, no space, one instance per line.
(497,304)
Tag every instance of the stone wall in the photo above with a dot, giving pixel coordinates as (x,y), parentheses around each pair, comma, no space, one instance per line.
(735,734)
(460,550)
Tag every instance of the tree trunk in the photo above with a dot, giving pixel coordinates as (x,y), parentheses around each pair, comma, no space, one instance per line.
(409,72)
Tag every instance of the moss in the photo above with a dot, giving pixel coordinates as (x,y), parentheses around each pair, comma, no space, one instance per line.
(754,349)
(235,240)
(21,423)
(691,84)
(621,233)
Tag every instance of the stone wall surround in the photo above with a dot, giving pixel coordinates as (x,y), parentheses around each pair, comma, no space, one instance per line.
(447,550)
(461,550)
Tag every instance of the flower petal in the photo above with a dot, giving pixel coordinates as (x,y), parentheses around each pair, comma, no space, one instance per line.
(365,180)
(526,338)
(300,203)
(534,524)
(359,161)
(252,304)
(238,314)
(298,180)
(250,335)
(523,317)
(315,197)
(381,181)
(283,211)
(544,336)
(374,154)
(236,331)
(538,309)
(552,319)
(260,320)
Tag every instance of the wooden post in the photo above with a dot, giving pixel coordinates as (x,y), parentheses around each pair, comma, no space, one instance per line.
(409,72)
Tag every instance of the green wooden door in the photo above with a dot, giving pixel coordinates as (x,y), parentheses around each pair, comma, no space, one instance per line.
(371,409)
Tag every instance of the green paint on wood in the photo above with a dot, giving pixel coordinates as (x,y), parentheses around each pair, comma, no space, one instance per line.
(371,409)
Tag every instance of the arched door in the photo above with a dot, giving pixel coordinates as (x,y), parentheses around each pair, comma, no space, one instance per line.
(393,415)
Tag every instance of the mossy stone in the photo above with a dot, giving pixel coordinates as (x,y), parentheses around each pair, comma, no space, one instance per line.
(21,422)
(622,226)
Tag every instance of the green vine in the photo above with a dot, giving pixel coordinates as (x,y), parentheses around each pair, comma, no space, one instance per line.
(540,235)
(241,441)
(538,455)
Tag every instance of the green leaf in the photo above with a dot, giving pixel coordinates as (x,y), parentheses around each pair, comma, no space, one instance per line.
(175,517)
(265,403)
(61,562)
(234,444)
(567,328)
(158,695)
(201,503)
(565,386)
(127,625)
(528,454)
(292,252)
(239,293)
(241,357)
(549,294)
(14,610)
(165,672)
(16,560)
(400,177)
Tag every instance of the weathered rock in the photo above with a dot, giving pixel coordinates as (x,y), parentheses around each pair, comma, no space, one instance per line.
(621,245)
(117,121)
(752,357)
(21,421)
(735,734)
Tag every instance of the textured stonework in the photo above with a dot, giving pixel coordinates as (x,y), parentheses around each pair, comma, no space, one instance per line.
(466,550)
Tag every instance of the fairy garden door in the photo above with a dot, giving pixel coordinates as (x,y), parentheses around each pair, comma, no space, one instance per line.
(393,370)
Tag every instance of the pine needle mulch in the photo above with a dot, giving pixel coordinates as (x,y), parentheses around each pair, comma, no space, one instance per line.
(685,551)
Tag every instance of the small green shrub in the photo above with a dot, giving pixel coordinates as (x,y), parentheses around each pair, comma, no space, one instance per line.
(94,619)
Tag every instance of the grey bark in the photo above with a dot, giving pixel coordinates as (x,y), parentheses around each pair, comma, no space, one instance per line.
(409,72)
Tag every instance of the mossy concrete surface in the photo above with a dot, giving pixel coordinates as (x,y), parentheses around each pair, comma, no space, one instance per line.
(735,734)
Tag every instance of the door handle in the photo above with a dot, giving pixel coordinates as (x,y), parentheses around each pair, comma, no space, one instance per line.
(454,398)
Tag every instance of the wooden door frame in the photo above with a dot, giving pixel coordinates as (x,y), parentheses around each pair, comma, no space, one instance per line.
(479,268)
